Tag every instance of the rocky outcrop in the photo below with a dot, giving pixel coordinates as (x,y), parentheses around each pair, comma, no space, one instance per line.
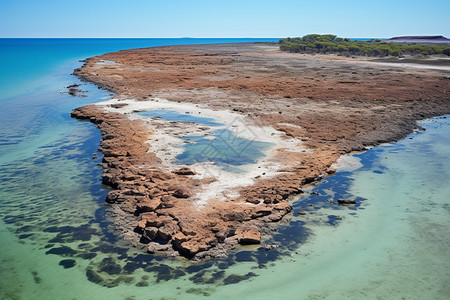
(159,202)
(334,105)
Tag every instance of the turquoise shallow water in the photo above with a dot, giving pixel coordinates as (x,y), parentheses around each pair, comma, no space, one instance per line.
(222,147)
(225,149)
(56,241)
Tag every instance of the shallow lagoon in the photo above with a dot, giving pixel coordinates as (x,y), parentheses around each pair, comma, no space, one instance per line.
(224,149)
(171,115)
(221,147)
(56,241)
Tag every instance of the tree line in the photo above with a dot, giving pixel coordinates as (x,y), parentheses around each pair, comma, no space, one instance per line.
(328,43)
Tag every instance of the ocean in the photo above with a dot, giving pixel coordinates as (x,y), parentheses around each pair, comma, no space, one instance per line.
(56,240)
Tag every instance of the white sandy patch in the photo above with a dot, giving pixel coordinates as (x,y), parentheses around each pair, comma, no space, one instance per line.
(167,143)
(106,62)
(347,163)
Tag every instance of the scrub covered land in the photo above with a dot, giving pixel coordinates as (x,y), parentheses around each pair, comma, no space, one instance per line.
(328,43)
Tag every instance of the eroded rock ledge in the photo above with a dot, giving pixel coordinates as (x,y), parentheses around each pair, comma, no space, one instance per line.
(158,202)
(334,105)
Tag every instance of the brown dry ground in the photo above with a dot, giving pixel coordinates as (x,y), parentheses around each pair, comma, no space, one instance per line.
(336,105)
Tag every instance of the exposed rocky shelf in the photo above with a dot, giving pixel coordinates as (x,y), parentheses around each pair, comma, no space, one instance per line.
(334,105)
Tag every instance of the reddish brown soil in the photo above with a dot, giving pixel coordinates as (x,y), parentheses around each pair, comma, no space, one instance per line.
(335,105)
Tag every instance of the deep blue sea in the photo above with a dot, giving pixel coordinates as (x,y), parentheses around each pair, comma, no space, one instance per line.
(56,240)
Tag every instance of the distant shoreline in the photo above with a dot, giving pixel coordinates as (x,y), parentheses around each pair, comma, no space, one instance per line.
(435,39)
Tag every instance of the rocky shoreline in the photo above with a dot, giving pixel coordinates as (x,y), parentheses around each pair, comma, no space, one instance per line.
(333,105)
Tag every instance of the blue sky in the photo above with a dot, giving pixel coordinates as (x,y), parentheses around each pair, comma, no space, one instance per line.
(199,18)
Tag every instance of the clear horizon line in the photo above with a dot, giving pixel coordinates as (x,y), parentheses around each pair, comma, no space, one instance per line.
(187,37)
(180,37)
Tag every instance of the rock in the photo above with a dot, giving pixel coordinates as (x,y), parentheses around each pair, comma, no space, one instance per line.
(261,213)
(184,171)
(276,216)
(148,205)
(166,231)
(181,193)
(302,213)
(156,247)
(184,246)
(346,201)
(140,226)
(150,233)
(159,221)
(119,105)
(237,216)
(115,197)
(249,236)
(270,247)
(147,219)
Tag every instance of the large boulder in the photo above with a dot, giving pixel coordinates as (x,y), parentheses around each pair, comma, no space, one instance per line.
(248,236)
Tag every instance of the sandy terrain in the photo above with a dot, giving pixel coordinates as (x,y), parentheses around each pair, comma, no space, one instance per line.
(312,108)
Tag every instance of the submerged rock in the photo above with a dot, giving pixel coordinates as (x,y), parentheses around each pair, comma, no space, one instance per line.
(346,201)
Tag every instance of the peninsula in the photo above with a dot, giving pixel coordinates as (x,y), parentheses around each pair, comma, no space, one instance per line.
(309,110)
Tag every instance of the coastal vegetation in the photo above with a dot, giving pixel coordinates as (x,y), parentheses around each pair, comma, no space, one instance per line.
(328,43)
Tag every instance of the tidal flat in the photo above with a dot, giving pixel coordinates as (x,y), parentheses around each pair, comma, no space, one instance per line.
(59,239)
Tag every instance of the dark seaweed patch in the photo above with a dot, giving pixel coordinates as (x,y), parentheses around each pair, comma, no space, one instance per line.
(108,266)
(215,276)
(24,236)
(96,278)
(234,278)
(11,219)
(198,277)
(264,256)
(25,228)
(163,272)
(108,248)
(36,277)
(69,234)
(140,258)
(62,251)
(92,276)
(292,235)
(218,275)
(196,268)
(142,284)
(134,263)
(67,263)
(333,220)
(88,256)
(222,266)
(244,256)
(131,267)
(177,273)
(197,291)
(122,257)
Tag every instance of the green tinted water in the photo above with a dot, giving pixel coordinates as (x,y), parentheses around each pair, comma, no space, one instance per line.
(393,244)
